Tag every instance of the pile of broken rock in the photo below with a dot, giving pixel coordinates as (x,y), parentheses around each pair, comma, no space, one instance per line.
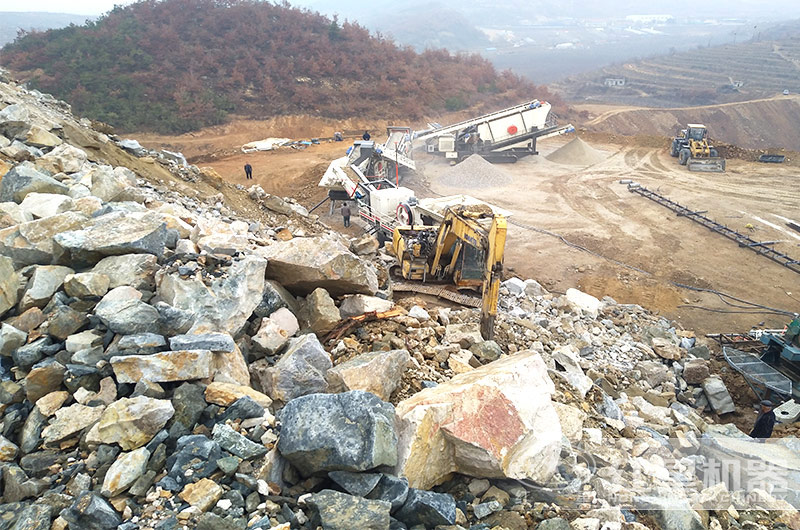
(166,364)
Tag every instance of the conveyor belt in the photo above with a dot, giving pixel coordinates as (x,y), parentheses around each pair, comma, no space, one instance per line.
(761,247)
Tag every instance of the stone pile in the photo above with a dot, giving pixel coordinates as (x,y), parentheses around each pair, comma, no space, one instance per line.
(166,364)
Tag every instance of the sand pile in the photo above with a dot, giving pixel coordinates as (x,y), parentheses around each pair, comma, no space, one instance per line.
(577,153)
(475,172)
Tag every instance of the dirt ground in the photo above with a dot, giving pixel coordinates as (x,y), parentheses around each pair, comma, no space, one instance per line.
(588,207)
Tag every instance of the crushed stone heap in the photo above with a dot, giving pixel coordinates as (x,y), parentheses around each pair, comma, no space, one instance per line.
(577,153)
(475,172)
(167,363)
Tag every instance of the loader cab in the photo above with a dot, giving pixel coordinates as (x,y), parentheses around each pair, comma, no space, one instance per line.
(696,132)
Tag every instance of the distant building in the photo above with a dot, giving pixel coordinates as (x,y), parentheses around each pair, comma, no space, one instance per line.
(649,19)
(614,81)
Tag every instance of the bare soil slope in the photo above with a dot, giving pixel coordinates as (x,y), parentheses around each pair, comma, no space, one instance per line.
(759,124)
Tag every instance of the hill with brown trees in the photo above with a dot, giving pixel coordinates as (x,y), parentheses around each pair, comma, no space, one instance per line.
(176,65)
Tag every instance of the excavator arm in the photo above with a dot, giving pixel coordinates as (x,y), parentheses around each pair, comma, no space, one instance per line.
(493,275)
(461,236)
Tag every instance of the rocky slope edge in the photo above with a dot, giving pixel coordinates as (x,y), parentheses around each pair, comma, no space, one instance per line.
(166,363)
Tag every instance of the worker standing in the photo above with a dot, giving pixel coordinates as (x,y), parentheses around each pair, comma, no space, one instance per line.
(366,136)
(346,214)
(248,171)
(765,421)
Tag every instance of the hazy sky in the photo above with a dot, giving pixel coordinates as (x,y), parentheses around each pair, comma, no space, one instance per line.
(78,7)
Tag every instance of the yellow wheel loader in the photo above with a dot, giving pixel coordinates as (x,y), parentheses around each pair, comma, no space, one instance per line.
(693,150)
(465,249)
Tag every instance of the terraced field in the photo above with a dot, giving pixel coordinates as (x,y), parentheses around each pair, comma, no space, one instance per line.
(705,76)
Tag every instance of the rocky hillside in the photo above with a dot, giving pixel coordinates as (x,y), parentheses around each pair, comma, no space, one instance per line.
(175,358)
(178,65)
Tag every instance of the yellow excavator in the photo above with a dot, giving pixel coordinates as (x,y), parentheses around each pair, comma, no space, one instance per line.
(465,249)
(693,150)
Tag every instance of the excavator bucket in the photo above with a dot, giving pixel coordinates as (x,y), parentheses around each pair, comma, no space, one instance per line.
(709,165)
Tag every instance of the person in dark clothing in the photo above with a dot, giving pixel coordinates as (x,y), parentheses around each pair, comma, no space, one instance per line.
(765,421)
(366,136)
(346,214)
(248,171)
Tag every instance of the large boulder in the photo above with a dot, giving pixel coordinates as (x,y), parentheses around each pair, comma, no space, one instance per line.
(134,270)
(587,303)
(86,284)
(669,513)
(654,372)
(428,509)
(275,331)
(32,242)
(44,282)
(377,372)
(495,421)
(353,431)
(40,137)
(64,159)
(9,284)
(339,511)
(320,312)
(131,422)
(11,338)
(275,297)
(718,396)
(108,183)
(226,303)
(695,371)
(125,470)
(12,213)
(113,234)
(358,304)
(40,205)
(226,394)
(123,312)
(163,367)
(70,421)
(301,370)
(666,349)
(15,119)
(230,367)
(91,512)
(304,263)
(23,179)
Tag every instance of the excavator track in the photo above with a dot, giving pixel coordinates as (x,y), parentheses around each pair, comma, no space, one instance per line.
(439,291)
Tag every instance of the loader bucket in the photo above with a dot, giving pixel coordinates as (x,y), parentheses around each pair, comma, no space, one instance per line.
(710,165)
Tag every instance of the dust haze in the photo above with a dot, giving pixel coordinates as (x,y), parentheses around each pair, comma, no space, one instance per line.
(549,40)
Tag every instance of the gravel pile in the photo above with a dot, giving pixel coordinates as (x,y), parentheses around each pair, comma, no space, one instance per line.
(475,172)
(577,153)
